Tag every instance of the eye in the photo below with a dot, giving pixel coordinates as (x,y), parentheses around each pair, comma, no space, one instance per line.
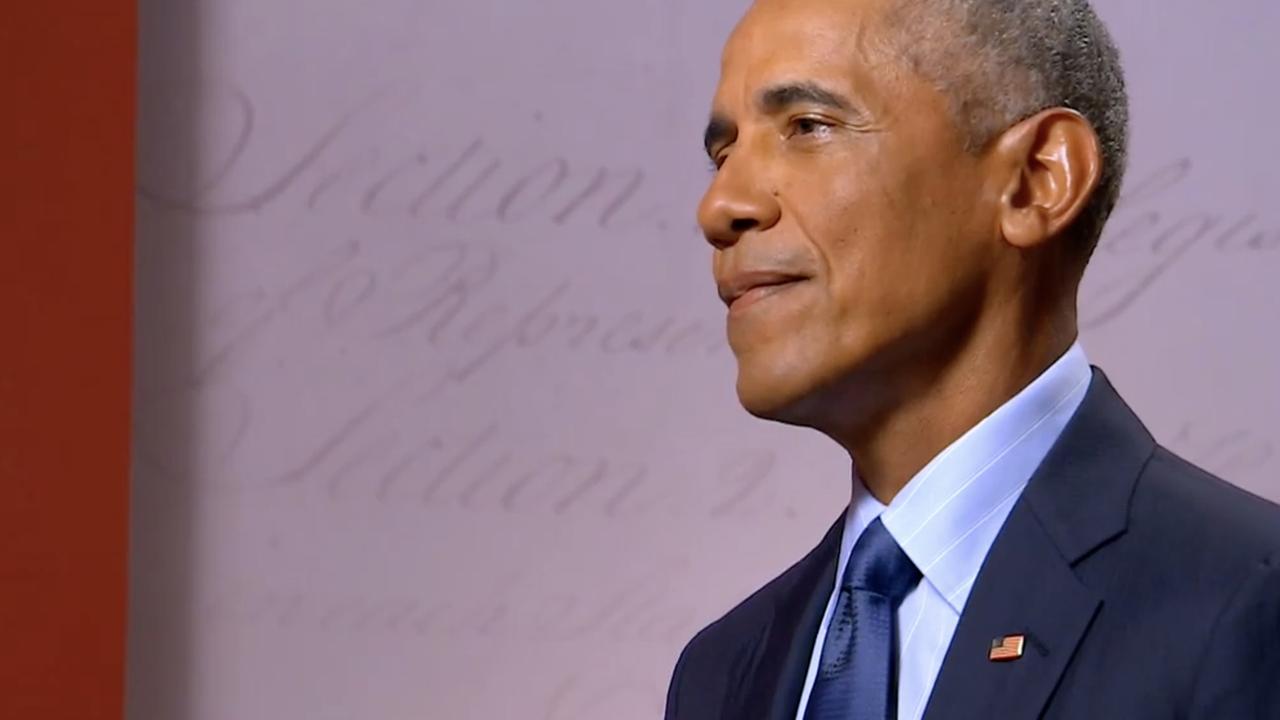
(714,162)
(808,125)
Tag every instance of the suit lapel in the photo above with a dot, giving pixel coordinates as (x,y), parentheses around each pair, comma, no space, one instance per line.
(771,691)
(1027,590)
(1076,502)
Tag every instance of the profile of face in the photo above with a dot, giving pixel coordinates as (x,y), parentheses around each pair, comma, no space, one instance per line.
(852,230)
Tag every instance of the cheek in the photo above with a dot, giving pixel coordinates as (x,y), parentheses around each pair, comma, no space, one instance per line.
(884,223)
(868,243)
(890,261)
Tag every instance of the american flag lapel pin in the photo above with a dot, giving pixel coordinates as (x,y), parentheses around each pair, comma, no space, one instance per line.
(1006,648)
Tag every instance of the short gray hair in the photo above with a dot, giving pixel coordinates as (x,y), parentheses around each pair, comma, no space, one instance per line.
(1002,61)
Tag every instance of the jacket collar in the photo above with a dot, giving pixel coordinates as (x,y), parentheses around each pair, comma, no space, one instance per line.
(1081,492)
(1076,501)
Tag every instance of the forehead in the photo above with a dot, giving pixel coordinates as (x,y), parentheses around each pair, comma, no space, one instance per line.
(841,42)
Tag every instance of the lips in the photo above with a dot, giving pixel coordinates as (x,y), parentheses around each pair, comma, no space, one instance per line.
(742,289)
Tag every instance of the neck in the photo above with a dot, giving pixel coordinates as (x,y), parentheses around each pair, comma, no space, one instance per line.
(918,410)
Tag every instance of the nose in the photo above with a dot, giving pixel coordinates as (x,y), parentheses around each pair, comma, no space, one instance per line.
(737,202)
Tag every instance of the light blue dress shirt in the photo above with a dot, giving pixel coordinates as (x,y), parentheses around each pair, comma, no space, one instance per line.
(947,516)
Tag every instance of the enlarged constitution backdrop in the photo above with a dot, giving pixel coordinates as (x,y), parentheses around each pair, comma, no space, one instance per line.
(434,412)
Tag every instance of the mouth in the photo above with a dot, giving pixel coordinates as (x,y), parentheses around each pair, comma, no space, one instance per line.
(747,289)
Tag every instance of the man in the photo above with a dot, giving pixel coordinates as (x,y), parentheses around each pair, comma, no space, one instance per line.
(905,196)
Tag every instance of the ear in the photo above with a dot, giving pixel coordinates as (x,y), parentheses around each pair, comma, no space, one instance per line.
(1052,162)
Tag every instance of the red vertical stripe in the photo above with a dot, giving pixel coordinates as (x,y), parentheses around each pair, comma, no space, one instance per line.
(66,204)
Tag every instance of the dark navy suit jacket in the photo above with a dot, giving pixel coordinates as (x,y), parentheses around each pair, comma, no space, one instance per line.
(1146,589)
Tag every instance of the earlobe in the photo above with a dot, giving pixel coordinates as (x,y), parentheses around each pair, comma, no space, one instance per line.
(1053,162)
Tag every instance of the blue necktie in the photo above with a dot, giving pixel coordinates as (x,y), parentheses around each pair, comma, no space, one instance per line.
(856,679)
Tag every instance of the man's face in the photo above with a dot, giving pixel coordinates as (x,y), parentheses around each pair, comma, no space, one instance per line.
(850,234)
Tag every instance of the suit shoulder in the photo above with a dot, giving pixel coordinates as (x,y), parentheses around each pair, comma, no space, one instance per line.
(1201,516)
(718,656)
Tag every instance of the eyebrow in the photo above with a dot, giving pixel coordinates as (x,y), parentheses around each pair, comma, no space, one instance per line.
(779,97)
(773,100)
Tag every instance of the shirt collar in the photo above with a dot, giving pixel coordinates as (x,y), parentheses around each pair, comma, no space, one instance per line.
(948,514)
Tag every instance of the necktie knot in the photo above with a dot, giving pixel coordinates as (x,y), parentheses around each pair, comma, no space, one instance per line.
(878,565)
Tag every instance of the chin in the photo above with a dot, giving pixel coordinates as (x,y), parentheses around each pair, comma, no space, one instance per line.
(785,394)
(810,386)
